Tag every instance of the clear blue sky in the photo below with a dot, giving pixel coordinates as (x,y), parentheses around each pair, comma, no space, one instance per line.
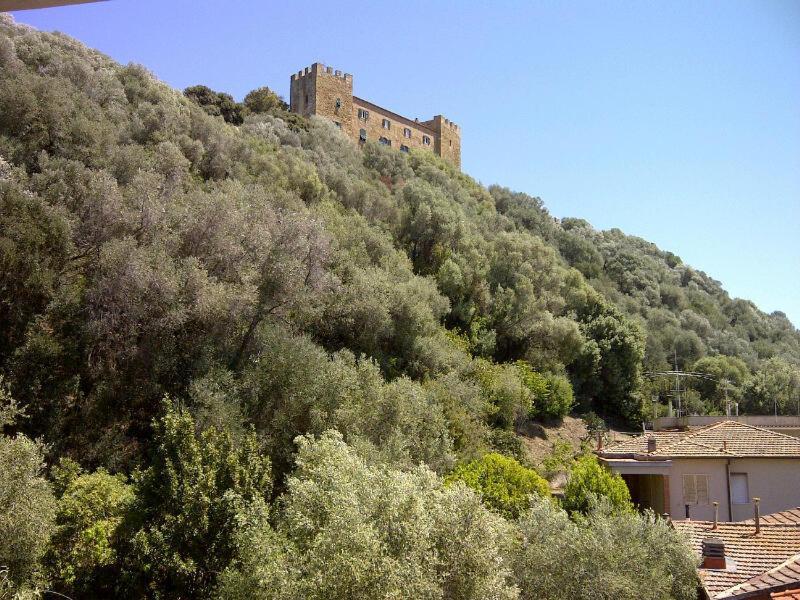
(675,121)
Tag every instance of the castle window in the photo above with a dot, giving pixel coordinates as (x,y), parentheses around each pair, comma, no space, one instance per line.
(363,114)
(362,135)
(387,124)
(339,125)
(426,140)
(385,141)
(407,132)
(403,148)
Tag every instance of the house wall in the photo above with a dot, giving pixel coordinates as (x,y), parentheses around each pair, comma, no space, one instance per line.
(775,480)
(717,488)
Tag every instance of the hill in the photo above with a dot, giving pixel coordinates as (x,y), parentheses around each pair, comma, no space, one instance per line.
(272,280)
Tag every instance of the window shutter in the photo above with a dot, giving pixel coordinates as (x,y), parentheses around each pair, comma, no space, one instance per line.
(739,491)
(689,490)
(701,486)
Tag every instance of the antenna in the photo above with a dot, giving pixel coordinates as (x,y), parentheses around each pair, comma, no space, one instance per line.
(681,375)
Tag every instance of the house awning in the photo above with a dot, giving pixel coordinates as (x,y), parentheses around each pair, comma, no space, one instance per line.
(630,466)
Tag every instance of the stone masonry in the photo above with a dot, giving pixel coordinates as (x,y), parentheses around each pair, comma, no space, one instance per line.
(321,90)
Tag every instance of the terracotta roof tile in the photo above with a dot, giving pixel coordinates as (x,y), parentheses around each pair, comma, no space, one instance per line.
(756,559)
(638,444)
(785,517)
(785,575)
(786,595)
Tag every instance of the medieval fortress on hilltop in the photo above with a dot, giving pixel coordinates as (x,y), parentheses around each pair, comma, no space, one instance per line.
(320,90)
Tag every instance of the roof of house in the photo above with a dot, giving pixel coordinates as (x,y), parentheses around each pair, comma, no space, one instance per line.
(758,563)
(785,576)
(785,517)
(638,444)
(726,439)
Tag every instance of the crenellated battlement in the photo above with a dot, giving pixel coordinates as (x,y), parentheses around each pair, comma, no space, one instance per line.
(317,69)
(450,124)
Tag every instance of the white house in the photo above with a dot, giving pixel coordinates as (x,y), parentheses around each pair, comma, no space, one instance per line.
(727,463)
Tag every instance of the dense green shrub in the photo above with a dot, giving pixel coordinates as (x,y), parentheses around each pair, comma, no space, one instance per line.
(180,533)
(552,396)
(263,100)
(349,530)
(504,485)
(27,505)
(608,555)
(590,481)
(83,555)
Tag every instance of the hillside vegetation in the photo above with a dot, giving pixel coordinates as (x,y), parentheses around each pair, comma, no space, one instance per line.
(250,351)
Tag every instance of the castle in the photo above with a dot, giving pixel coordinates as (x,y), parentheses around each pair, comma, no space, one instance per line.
(320,90)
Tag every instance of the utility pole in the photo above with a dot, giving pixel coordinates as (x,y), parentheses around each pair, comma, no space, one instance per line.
(724,383)
(677,383)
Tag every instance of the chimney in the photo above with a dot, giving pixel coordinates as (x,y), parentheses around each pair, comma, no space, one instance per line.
(713,554)
(757,515)
(599,440)
(716,514)
(651,444)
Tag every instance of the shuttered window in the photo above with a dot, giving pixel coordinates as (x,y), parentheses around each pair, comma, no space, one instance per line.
(739,492)
(695,489)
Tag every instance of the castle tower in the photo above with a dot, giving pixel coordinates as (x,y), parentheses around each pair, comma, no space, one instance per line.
(320,90)
(447,140)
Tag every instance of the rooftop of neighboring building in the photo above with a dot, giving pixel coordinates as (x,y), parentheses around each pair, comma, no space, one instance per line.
(726,439)
(784,517)
(756,563)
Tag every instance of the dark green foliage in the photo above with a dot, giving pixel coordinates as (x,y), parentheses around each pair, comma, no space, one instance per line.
(179,536)
(552,394)
(34,248)
(217,104)
(263,100)
(609,367)
(507,443)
